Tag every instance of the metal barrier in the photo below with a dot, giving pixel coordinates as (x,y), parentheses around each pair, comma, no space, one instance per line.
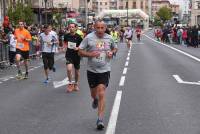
(4,53)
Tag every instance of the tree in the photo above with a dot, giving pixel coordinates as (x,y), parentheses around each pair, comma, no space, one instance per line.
(20,12)
(157,22)
(164,14)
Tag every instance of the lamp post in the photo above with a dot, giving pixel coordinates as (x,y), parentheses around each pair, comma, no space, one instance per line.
(86,12)
(4,8)
(127,12)
(45,6)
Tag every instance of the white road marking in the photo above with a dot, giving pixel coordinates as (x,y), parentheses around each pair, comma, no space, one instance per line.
(125,70)
(129,54)
(179,80)
(5,80)
(114,114)
(0,82)
(58,84)
(36,67)
(31,69)
(126,64)
(122,80)
(128,58)
(175,49)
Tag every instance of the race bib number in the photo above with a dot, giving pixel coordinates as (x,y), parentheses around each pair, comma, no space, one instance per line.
(101,60)
(20,45)
(47,44)
(71,45)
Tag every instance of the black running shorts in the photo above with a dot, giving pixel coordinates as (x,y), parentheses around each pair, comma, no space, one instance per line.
(74,61)
(94,79)
(24,54)
(48,60)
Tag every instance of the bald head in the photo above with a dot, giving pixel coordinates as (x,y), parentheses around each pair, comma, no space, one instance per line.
(100,28)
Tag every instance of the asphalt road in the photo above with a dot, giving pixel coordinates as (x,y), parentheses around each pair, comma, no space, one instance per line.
(149,98)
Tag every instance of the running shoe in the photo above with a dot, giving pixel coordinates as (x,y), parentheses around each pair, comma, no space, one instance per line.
(95,103)
(46,81)
(54,69)
(76,88)
(19,75)
(100,125)
(26,75)
(70,87)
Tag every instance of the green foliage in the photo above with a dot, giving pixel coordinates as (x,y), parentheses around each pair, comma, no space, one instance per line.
(57,19)
(20,12)
(157,22)
(164,14)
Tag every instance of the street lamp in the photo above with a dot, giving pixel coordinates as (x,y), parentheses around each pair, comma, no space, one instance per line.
(4,8)
(127,12)
(45,6)
(86,12)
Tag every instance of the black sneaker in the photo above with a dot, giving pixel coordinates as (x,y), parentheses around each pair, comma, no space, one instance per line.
(54,69)
(95,103)
(100,125)
(26,75)
(19,75)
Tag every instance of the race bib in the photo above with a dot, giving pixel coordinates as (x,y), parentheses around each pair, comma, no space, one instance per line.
(47,44)
(21,45)
(71,45)
(101,60)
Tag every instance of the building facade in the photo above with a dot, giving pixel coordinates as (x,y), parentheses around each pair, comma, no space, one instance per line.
(100,5)
(157,4)
(195,12)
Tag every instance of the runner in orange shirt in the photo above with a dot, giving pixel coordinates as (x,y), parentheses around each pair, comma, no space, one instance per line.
(23,38)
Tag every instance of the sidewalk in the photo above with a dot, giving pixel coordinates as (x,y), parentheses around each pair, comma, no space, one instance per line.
(191,50)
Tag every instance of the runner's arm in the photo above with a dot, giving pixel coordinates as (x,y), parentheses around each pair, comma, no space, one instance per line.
(85,53)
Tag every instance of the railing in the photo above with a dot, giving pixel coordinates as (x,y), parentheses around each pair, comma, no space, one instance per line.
(4,53)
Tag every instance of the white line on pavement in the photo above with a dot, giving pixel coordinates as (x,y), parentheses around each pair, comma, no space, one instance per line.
(129,54)
(125,70)
(0,82)
(122,80)
(128,58)
(58,84)
(179,80)
(114,114)
(175,49)
(31,69)
(126,64)
(5,79)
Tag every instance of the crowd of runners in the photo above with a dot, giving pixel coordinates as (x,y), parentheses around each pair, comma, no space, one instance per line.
(97,43)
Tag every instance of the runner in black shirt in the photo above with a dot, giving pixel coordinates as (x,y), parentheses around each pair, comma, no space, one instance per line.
(72,41)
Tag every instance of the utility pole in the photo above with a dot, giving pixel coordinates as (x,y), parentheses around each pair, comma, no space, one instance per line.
(45,4)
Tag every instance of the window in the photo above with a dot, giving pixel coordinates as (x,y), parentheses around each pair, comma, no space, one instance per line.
(105,3)
(100,3)
(141,4)
(134,5)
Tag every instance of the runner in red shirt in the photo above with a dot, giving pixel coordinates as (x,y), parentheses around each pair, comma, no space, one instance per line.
(138,33)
